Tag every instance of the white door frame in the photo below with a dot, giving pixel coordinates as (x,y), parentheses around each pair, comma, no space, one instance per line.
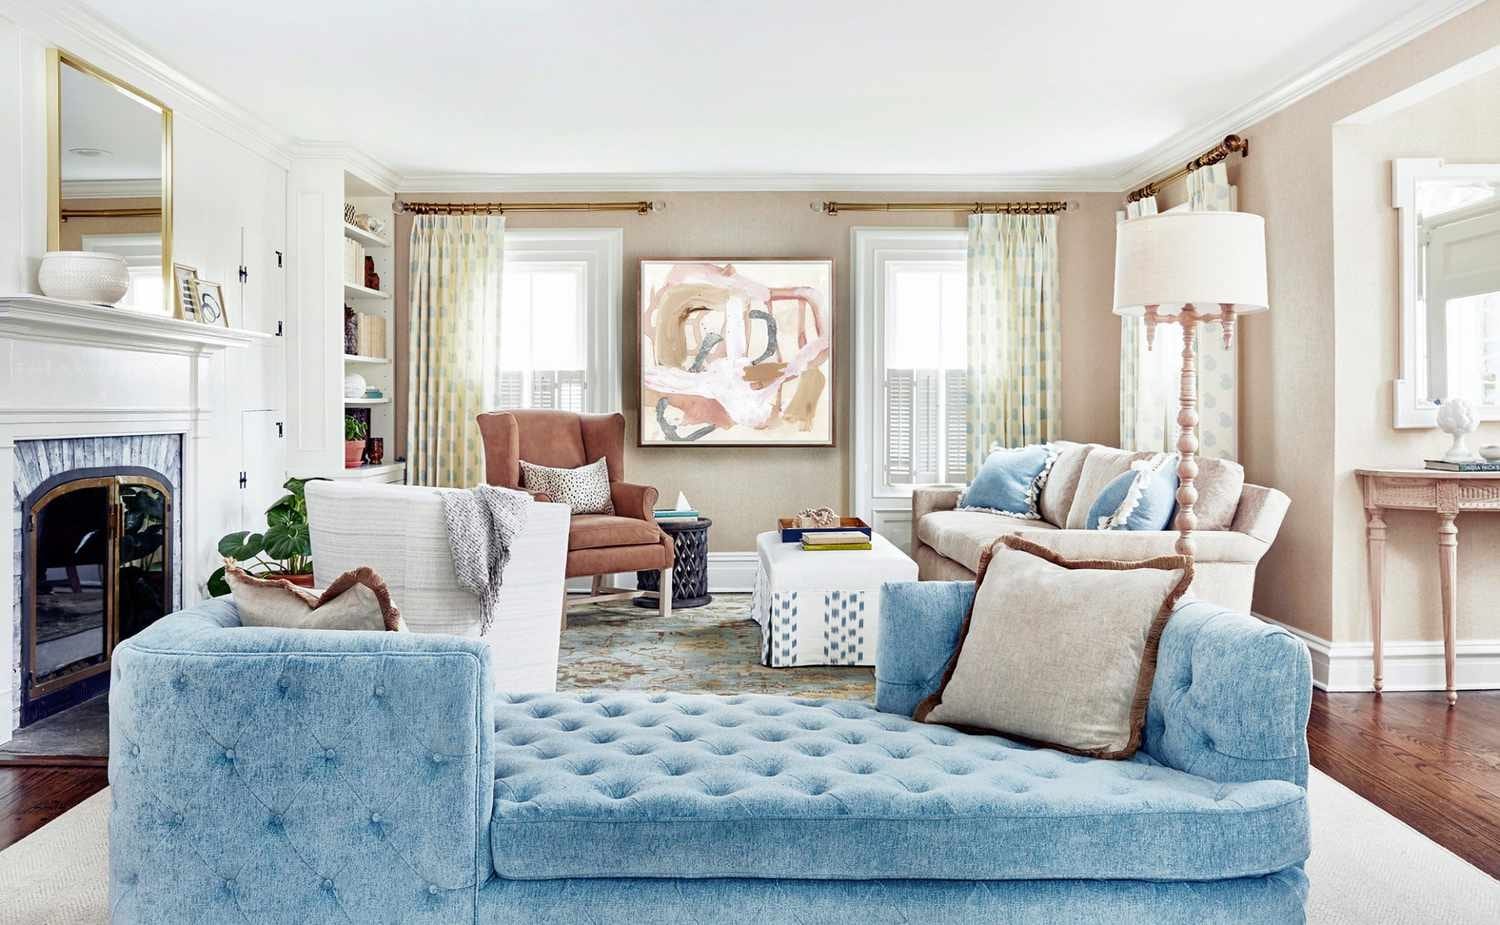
(885,509)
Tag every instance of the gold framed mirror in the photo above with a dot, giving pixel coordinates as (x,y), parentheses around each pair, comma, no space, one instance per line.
(109,176)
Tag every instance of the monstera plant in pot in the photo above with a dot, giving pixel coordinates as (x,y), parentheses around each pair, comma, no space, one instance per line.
(283,551)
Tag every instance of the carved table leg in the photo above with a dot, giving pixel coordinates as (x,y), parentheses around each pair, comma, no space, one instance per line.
(1375,554)
(1448,568)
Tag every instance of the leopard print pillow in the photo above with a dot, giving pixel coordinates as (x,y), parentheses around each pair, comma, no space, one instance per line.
(585,490)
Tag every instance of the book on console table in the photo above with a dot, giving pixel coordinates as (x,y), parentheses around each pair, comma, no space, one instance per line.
(835,547)
(1478,465)
(670,514)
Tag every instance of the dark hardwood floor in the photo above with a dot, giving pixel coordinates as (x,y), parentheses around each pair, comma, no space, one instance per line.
(1436,769)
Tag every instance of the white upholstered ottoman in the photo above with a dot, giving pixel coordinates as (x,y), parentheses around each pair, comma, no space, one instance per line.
(822,608)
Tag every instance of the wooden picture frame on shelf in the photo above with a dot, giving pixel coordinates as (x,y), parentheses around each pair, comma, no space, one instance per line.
(209,299)
(184,300)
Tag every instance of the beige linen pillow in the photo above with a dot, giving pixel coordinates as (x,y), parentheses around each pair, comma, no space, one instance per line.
(356,600)
(1219,484)
(1100,468)
(1059,652)
(1062,481)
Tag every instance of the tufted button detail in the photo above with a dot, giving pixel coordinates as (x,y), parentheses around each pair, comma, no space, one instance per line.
(375,818)
(275,820)
(228,883)
(135,751)
(380,690)
(327,883)
(437,759)
(229,754)
(178,818)
(432,889)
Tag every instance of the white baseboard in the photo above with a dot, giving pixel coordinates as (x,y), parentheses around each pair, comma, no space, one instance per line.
(1409,665)
(728,573)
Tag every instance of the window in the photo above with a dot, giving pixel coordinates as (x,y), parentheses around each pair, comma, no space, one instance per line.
(911,398)
(925,372)
(559,321)
(142,253)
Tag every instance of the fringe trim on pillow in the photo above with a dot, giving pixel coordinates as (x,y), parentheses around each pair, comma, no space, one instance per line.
(1145,470)
(1033,491)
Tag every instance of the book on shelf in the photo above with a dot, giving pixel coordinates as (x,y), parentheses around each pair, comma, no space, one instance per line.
(673,512)
(834,538)
(1477,465)
(834,547)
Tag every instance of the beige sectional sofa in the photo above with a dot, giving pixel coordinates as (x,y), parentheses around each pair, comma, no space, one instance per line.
(1237,523)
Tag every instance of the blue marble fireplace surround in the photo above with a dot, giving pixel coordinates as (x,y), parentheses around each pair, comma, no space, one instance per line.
(264,775)
(37,461)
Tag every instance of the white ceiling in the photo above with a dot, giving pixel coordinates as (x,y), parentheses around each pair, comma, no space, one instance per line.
(97,115)
(1068,89)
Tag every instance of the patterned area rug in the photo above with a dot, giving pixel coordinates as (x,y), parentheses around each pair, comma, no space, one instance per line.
(714,649)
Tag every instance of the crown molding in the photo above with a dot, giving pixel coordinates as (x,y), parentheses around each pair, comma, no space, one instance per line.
(112,189)
(751,182)
(70,26)
(374,172)
(1186,145)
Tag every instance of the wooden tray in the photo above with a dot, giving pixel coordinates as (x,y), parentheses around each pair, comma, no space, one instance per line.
(791,533)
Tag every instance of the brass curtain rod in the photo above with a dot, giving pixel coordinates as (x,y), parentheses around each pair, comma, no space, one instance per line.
(66,214)
(1231,144)
(1049,207)
(641,207)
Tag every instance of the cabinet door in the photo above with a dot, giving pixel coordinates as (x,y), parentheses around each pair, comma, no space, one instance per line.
(263,463)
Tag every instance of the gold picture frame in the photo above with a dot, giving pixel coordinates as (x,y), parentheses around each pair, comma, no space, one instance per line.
(184,300)
(208,298)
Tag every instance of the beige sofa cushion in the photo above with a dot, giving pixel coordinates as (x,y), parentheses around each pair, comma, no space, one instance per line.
(1062,481)
(1219,484)
(963,536)
(1100,467)
(1060,652)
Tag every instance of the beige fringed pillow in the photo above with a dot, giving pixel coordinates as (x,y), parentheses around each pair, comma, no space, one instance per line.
(356,600)
(1059,652)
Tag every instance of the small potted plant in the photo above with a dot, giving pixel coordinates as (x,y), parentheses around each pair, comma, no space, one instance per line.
(355,432)
(283,551)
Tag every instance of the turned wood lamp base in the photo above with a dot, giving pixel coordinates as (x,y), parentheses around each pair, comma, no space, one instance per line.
(1187,410)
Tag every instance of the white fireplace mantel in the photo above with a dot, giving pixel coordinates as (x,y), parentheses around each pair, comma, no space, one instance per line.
(34,317)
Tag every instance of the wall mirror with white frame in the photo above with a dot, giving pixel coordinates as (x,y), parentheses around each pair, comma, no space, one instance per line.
(109,165)
(1450,288)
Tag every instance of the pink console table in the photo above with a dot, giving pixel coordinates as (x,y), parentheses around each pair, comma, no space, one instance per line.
(1446,494)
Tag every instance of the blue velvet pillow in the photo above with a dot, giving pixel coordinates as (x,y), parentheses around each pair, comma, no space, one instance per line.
(1010,482)
(1141,499)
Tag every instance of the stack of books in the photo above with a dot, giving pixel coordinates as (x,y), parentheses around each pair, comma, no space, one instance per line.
(835,540)
(675,516)
(1478,465)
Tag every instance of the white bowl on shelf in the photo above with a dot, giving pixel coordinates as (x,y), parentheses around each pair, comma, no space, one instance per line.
(83,276)
(1490,452)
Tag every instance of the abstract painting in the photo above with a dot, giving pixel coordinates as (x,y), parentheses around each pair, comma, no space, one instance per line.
(736,353)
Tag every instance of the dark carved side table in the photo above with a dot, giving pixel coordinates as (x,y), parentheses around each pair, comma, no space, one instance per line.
(689,571)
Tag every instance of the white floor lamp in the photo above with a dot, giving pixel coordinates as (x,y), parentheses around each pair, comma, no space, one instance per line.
(1165,266)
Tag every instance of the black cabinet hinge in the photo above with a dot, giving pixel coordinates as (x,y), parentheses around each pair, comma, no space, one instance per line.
(244,273)
(278,260)
(279,431)
(278,329)
(244,479)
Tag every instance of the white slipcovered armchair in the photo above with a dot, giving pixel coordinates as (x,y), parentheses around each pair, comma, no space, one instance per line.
(399,531)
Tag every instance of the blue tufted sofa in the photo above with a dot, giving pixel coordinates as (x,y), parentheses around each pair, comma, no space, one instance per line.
(261,775)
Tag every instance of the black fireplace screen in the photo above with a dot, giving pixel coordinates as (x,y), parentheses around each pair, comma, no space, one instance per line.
(98,569)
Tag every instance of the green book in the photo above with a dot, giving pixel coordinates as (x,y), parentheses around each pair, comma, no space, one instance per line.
(820,547)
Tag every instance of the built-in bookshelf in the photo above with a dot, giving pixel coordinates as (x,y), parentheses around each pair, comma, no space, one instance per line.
(343,323)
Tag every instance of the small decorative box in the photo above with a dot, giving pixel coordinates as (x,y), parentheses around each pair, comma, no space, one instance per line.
(791,533)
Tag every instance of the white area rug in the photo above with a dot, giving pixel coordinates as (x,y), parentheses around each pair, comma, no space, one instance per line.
(1367,866)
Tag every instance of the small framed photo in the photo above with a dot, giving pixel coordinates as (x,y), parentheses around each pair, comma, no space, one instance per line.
(208,298)
(184,304)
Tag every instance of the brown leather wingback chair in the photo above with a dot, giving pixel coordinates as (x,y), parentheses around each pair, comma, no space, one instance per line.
(598,544)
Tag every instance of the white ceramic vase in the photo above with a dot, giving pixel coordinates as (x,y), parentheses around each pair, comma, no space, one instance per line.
(83,276)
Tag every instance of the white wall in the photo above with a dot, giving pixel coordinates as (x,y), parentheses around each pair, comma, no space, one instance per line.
(227,177)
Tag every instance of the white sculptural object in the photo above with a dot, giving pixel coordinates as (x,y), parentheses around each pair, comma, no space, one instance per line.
(1457,418)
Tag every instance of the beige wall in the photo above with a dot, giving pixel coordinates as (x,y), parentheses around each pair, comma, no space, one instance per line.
(1310,382)
(74,229)
(744,489)
(1457,125)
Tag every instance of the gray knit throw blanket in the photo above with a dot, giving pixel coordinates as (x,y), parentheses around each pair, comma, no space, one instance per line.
(482,522)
